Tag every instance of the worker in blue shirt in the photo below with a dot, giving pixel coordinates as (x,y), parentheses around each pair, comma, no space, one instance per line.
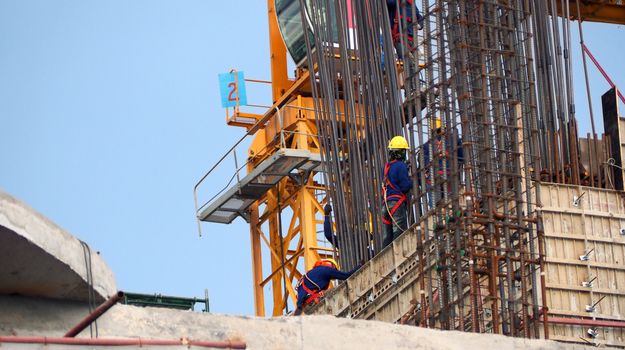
(404,9)
(397,185)
(315,282)
(441,151)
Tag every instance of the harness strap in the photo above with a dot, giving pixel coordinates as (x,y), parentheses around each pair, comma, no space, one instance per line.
(395,29)
(401,198)
(388,182)
(313,295)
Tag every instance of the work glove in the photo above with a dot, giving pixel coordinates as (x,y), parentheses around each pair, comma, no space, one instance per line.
(327,209)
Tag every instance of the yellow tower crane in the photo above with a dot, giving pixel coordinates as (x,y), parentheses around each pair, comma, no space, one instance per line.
(284,163)
(283,168)
(603,11)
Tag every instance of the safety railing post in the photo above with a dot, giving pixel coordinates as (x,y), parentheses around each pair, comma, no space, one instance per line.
(236,167)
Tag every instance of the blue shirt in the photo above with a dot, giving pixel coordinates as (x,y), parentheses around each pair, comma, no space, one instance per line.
(438,145)
(321,275)
(328,232)
(392,14)
(398,176)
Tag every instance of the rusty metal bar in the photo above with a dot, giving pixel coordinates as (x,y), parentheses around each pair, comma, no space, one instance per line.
(85,322)
(228,344)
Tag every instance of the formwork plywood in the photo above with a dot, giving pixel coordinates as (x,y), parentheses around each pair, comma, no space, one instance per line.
(561,198)
(583,240)
(565,333)
(576,221)
(382,287)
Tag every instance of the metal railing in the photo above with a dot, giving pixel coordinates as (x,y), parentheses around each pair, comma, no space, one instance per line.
(231,153)
(280,138)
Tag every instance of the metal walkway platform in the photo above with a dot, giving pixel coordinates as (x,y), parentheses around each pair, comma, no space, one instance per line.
(235,201)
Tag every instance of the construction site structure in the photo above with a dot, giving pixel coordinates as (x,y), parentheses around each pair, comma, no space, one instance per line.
(282,163)
(516,222)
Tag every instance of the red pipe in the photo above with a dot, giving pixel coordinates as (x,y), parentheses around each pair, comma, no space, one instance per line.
(605,75)
(228,344)
(85,322)
(586,322)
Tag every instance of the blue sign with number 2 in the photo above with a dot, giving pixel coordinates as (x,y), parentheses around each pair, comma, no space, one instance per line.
(232,87)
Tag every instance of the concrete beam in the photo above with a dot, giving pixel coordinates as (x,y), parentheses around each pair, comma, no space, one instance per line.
(40,259)
(26,316)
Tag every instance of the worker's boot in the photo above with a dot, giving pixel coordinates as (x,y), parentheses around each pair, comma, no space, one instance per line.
(298,311)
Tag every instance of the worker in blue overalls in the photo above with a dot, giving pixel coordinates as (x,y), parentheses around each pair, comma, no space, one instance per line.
(439,146)
(397,185)
(315,282)
(403,8)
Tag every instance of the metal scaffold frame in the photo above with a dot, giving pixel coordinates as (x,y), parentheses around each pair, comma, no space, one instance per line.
(479,239)
(479,80)
(482,91)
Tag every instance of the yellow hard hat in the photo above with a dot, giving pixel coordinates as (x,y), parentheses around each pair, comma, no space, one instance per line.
(398,142)
(436,124)
(327,262)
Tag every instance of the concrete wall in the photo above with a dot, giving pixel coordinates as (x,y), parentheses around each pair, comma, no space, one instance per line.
(41,259)
(27,316)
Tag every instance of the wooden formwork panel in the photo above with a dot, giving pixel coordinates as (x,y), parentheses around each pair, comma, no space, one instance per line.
(572,334)
(379,289)
(576,220)
(583,240)
(336,301)
(561,197)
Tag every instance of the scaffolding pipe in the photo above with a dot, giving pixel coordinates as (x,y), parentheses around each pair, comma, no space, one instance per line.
(227,344)
(85,322)
(603,72)
(586,322)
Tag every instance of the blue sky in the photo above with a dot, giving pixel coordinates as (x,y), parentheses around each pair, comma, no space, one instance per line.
(110,113)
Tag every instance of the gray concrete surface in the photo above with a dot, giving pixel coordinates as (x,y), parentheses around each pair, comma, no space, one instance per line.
(29,316)
(41,259)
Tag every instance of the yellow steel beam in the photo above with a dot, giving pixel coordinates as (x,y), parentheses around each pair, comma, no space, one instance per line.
(279,76)
(604,11)
(257,263)
(299,198)
(243,119)
(291,262)
(276,261)
(308,228)
(303,80)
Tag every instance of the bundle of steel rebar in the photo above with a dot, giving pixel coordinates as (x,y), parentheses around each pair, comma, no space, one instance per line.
(358,106)
(483,93)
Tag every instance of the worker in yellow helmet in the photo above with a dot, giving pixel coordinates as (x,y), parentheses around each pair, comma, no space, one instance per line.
(315,282)
(438,147)
(396,186)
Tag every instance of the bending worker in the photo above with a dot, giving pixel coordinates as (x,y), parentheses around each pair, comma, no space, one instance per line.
(397,185)
(315,282)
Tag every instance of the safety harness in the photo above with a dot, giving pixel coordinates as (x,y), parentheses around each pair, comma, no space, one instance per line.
(402,15)
(438,148)
(313,295)
(401,198)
